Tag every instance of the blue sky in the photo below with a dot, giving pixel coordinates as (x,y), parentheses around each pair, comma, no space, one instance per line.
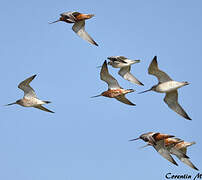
(88,138)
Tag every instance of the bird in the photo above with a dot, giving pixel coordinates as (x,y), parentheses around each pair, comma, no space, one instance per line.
(79,24)
(114,89)
(168,86)
(30,99)
(125,66)
(178,148)
(157,141)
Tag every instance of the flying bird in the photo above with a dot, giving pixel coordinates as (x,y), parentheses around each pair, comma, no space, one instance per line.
(30,99)
(168,86)
(157,141)
(125,66)
(169,145)
(114,89)
(79,24)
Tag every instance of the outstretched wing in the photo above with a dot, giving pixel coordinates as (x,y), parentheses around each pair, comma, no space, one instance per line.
(178,152)
(160,148)
(79,28)
(125,73)
(187,162)
(28,91)
(108,78)
(160,136)
(121,59)
(154,70)
(171,99)
(124,100)
(43,108)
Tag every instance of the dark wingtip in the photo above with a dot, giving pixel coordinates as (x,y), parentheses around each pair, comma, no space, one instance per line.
(196,168)
(94,43)
(34,76)
(50,111)
(185,156)
(174,162)
(187,117)
(155,59)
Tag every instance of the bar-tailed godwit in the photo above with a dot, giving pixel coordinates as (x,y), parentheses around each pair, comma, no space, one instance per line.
(30,99)
(157,141)
(79,24)
(125,66)
(166,145)
(168,86)
(114,89)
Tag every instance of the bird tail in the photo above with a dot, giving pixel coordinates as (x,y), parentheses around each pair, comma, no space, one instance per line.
(90,15)
(129,91)
(186,83)
(47,102)
(189,143)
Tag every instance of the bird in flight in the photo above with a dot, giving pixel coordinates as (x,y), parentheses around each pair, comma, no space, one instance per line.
(157,141)
(174,146)
(30,99)
(125,66)
(168,86)
(114,89)
(79,24)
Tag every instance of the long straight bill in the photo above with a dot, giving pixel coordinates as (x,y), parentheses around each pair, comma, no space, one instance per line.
(134,139)
(54,21)
(10,104)
(144,91)
(96,96)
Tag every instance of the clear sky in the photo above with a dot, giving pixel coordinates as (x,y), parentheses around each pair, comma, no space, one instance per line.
(88,138)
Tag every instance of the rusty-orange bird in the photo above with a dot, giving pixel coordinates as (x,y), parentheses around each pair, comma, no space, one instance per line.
(114,89)
(79,24)
(157,140)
